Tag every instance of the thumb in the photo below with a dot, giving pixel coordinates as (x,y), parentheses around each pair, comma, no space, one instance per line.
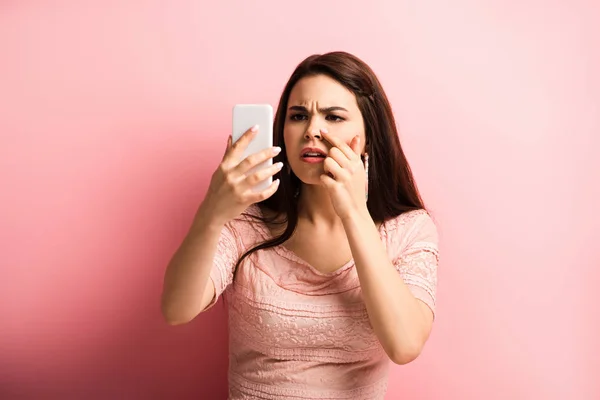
(355,144)
(229,140)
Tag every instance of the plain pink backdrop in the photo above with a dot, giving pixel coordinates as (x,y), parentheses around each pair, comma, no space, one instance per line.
(114,114)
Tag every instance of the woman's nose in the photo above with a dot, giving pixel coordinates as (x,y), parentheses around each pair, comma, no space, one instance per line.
(312,133)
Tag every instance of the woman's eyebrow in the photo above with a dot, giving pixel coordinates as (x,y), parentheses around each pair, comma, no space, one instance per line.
(324,110)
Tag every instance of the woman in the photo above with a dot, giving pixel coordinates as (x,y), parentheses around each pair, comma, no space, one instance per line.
(332,270)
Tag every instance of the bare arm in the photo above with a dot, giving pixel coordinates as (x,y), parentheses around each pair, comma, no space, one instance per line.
(187,289)
(401,322)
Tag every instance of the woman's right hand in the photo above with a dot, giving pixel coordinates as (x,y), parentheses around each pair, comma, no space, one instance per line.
(231,187)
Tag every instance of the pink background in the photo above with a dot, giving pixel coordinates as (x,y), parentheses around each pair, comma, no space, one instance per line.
(114,114)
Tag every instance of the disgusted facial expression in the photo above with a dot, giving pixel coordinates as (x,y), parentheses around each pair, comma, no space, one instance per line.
(316,103)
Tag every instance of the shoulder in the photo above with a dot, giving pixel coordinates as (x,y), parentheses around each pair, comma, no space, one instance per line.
(411,228)
(410,221)
(249,223)
(248,216)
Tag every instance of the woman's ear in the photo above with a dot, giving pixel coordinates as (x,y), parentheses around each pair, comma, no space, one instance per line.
(366,150)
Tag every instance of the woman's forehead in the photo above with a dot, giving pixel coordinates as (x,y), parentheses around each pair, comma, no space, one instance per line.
(324,91)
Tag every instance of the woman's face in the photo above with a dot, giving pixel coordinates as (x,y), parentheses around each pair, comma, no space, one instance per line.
(315,103)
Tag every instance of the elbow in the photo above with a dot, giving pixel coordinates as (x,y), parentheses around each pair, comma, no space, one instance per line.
(174,321)
(172,317)
(407,348)
(404,354)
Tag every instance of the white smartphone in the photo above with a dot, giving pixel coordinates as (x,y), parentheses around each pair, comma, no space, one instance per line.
(245,116)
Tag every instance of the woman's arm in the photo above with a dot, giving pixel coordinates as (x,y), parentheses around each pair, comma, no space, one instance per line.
(401,322)
(187,289)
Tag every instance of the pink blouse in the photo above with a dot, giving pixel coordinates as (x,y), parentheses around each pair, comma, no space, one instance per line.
(297,333)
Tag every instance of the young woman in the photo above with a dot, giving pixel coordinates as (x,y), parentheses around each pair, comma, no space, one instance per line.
(331,271)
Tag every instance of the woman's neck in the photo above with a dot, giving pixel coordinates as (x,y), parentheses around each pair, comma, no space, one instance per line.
(315,206)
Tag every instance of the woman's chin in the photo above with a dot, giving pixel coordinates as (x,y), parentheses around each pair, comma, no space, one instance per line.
(310,177)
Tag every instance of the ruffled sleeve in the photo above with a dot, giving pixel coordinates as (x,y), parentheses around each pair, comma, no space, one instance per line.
(224,261)
(414,245)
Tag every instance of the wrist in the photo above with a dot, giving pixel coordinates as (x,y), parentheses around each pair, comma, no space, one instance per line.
(357,216)
(208,219)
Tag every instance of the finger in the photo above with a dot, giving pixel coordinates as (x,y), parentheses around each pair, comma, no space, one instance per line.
(327,181)
(255,159)
(339,157)
(237,149)
(265,194)
(331,166)
(355,145)
(337,142)
(227,147)
(261,175)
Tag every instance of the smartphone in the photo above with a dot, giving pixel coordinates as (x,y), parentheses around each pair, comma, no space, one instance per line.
(245,116)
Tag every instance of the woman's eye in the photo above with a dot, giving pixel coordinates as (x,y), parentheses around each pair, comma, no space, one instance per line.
(334,118)
(303,117)
(297,117)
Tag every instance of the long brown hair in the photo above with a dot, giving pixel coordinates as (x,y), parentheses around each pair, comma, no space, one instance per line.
(392,189)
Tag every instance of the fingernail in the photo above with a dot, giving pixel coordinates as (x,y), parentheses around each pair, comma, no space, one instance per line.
(324,130)
(276,150)
(254,128)
(279,165)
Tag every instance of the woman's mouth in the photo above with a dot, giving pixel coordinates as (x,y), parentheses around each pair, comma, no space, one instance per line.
(312,155)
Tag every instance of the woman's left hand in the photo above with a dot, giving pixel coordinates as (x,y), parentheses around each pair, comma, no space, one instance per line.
(345,177)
